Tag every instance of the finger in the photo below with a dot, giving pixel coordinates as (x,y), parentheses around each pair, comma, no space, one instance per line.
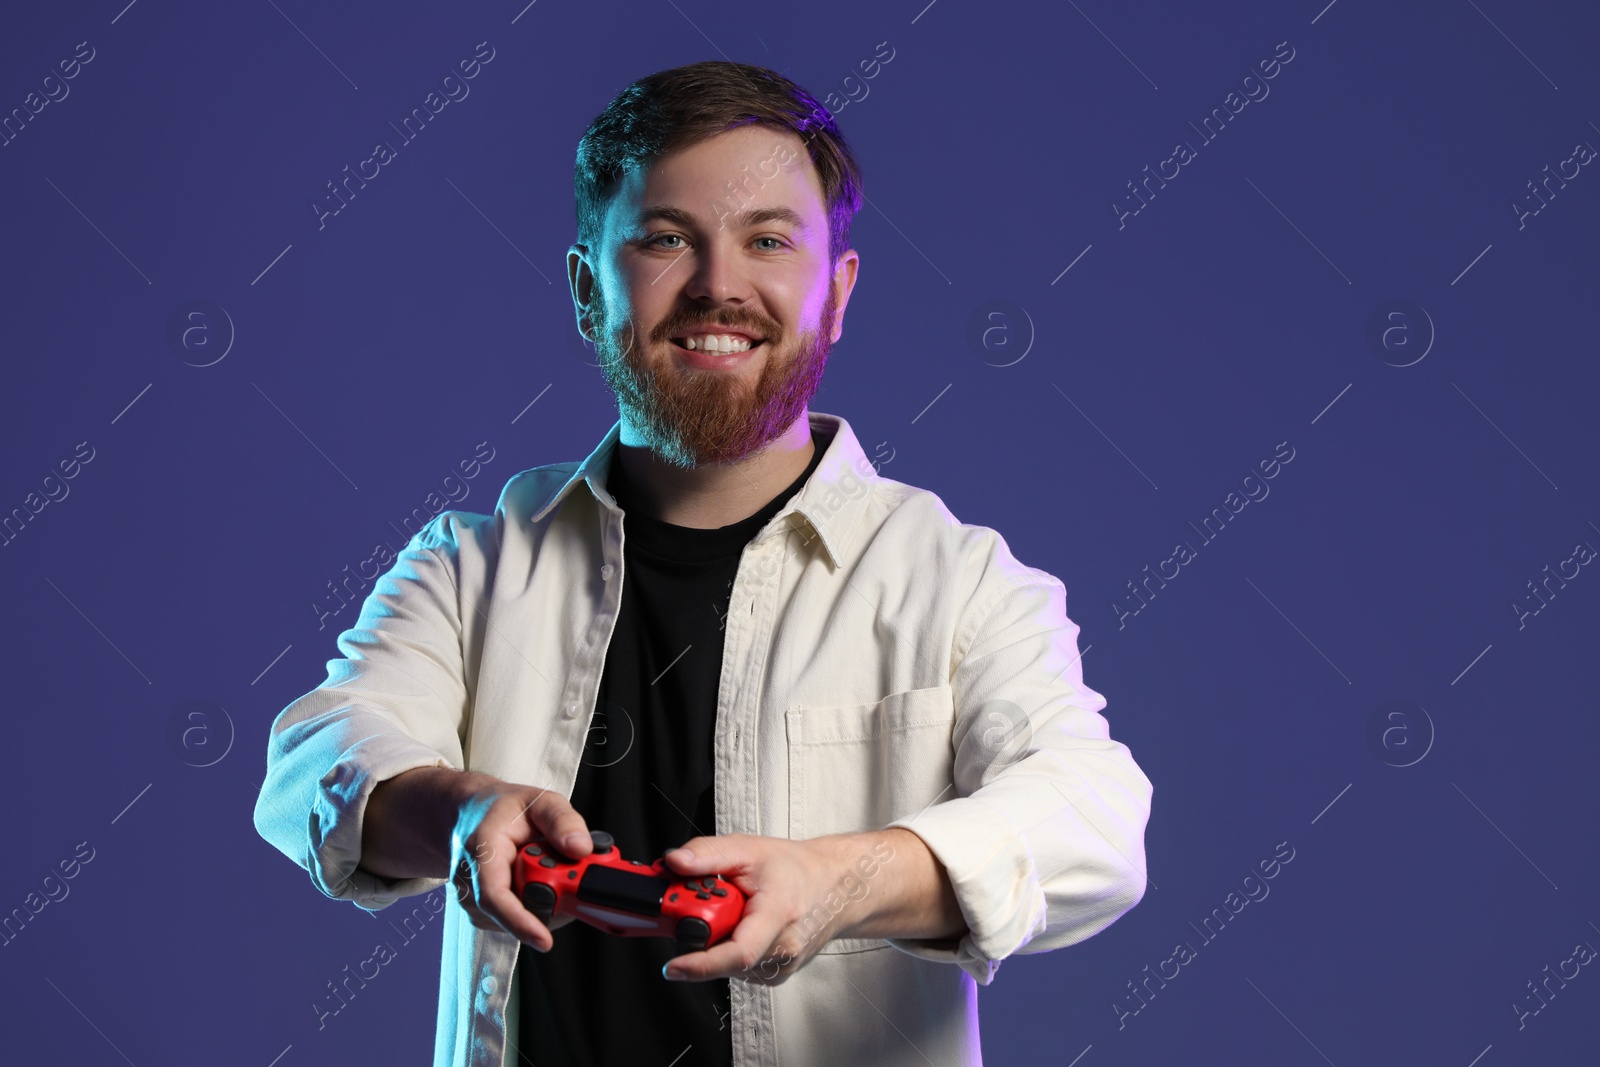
(709,855)
(752,942)
(495,899)
(557,821)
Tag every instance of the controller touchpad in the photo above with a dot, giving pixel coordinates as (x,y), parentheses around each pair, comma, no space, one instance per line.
(608,887)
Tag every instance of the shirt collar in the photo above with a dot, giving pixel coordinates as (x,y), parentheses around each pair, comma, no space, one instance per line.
(830,504)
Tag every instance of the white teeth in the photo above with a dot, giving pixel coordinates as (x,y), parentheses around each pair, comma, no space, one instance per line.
(716,343)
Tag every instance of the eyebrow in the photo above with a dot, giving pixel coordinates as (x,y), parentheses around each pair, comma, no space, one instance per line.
(742,219)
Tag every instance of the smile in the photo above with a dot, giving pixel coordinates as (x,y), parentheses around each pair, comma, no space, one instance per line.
(723,343)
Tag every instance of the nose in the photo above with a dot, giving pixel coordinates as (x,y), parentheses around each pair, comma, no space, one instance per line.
(715,275)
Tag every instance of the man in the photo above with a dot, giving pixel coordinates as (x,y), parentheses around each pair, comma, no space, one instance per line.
(797,674)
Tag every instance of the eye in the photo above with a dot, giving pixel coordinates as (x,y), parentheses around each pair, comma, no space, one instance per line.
(777,240)
(651,242)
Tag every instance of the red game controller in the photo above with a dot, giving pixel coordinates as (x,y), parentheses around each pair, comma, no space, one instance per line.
(625,897)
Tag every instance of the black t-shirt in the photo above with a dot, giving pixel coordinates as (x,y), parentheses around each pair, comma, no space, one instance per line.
(598,999)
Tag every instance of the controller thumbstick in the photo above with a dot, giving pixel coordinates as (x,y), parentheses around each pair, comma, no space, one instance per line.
(603,841)
(541,900)
(692,934)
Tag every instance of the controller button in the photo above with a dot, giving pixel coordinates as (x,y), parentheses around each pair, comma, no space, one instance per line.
(603,841)
(572,874)
(719,892)
(703,895)
(673,898)
(534,850)
(548,861)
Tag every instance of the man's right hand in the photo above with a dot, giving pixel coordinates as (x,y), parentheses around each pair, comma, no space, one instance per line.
(433,822)
(496,819)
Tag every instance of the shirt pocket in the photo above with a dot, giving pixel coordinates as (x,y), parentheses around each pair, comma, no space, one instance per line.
(857,767)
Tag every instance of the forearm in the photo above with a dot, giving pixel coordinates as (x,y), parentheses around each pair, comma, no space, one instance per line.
(908,896)
(409,819)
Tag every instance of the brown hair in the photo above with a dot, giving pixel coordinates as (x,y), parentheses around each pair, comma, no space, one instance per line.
(673,109)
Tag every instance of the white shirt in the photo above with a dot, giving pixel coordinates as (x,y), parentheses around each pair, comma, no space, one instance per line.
(883,665)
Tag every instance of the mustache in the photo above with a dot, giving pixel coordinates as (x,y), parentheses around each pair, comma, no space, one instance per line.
(680,325)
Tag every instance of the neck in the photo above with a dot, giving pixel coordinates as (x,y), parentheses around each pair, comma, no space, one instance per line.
(715,494)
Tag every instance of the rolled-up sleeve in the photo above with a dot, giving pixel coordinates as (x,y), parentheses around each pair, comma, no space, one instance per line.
(395,701)
(1044,838)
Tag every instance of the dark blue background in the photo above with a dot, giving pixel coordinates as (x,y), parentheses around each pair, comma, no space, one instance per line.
(1176,353)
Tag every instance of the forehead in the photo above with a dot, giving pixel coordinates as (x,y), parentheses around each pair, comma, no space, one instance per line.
(753,166)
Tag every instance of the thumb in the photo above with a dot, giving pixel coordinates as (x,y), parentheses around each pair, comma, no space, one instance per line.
(702,855)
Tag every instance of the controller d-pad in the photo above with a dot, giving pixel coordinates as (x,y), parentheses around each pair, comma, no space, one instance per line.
(719,892)
(548,861)
(703,895)
(534,850)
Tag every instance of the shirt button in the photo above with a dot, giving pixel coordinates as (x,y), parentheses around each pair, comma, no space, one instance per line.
(571,711)
(489,985)
(607,571)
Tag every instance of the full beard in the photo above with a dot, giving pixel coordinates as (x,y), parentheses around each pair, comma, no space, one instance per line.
(692,418)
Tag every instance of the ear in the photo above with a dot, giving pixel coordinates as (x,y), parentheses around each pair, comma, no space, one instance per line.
(843,282)
(580,276)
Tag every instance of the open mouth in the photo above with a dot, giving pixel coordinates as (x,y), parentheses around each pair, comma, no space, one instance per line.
(717,344)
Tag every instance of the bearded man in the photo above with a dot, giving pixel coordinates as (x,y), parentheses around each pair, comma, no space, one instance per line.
(722,639)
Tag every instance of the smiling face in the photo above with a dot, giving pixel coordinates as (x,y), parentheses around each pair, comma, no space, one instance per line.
(713,248)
